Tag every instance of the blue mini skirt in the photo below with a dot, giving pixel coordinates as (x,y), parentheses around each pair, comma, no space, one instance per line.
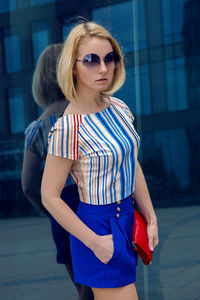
(116,219)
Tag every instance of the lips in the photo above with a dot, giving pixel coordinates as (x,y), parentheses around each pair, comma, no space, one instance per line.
(102,80)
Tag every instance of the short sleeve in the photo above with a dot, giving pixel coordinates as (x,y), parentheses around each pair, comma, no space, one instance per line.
(123,106)
(129,113)
(63,138)
(34,141)
(29,135)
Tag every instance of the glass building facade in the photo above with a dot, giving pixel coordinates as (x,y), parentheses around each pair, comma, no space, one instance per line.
(160,40)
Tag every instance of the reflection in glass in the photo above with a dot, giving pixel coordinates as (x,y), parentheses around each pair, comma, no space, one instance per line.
(127,92)
(39,2)
(16,110)
(40,38)
(176,84)
(142,34)
(158,87)
(12,50)
(181,87)
(171,85)
(174,147)
(66,28)
(166,161)
(173,14)
(146,107)
(167,22)
(7,5)
(119,19)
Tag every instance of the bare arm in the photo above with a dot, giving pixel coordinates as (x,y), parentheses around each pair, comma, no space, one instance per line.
(31,179)
(54,177)
(143,200)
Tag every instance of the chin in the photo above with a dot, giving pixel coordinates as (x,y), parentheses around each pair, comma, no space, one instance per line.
(103,89)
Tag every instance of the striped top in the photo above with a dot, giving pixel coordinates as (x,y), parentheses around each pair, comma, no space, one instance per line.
(36,139)
(104,148)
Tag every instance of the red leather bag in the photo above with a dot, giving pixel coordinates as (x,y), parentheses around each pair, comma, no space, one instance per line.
(140,241)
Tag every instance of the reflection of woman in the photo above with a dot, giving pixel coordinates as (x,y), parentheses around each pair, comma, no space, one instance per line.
(96,142)
(48,95)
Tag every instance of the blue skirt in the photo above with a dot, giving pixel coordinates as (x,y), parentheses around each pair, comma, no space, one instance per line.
(116,219)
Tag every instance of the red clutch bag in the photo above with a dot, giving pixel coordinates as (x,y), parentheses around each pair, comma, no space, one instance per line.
(140,241)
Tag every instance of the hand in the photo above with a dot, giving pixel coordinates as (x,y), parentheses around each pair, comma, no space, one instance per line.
(152,232)
(103,248)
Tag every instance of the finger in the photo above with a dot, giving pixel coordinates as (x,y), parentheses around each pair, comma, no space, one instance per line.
(151,243)
(108,238)
(109,235)
(156,241)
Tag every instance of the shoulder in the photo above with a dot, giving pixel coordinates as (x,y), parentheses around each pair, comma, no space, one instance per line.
(31,132)
(66,127)
(122,106)
(30,127)
(117,102)
(36,134)
(66,122)
(63,137)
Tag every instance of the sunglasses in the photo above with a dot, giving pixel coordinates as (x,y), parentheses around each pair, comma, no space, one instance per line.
(92,60)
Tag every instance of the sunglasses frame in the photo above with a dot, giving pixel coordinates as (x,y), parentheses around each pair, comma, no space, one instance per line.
(92,64)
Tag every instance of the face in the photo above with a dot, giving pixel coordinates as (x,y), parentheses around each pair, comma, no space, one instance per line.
(94,77)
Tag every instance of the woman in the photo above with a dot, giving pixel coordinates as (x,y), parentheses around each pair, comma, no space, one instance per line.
(95,141)
(48,95)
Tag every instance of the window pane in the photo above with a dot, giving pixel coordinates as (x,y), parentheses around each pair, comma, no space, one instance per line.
(39,2)
(1,53)
(110,17)
(66,28)
(146,108)
(127,92)
(16,110)
(123,30)
(7,5)
(173,20)
(40,38)
(158,87)
(12,50)
(142,25)
(167,21)
(181,84)
(174,146)
(171,85)
(177,19)
(102,16)
(176,84)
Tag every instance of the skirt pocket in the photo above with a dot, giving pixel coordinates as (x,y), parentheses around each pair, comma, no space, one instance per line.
(89,270)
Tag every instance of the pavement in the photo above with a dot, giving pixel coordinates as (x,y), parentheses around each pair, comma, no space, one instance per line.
(28,270)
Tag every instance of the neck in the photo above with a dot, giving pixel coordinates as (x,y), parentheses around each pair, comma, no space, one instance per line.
(88,106)
(90,99)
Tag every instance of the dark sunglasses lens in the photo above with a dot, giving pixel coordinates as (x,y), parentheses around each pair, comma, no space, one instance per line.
(109,58)
(112,57)
(91,60)
(116,57)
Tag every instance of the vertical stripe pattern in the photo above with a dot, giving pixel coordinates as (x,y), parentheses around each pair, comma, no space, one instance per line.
(104,147)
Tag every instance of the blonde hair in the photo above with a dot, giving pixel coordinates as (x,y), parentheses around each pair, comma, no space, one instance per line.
(65,77)
(45,87)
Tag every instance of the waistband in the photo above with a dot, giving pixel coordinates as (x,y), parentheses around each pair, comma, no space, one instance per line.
(107,209)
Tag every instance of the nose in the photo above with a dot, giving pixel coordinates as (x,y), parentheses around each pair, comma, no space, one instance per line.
(102,67)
